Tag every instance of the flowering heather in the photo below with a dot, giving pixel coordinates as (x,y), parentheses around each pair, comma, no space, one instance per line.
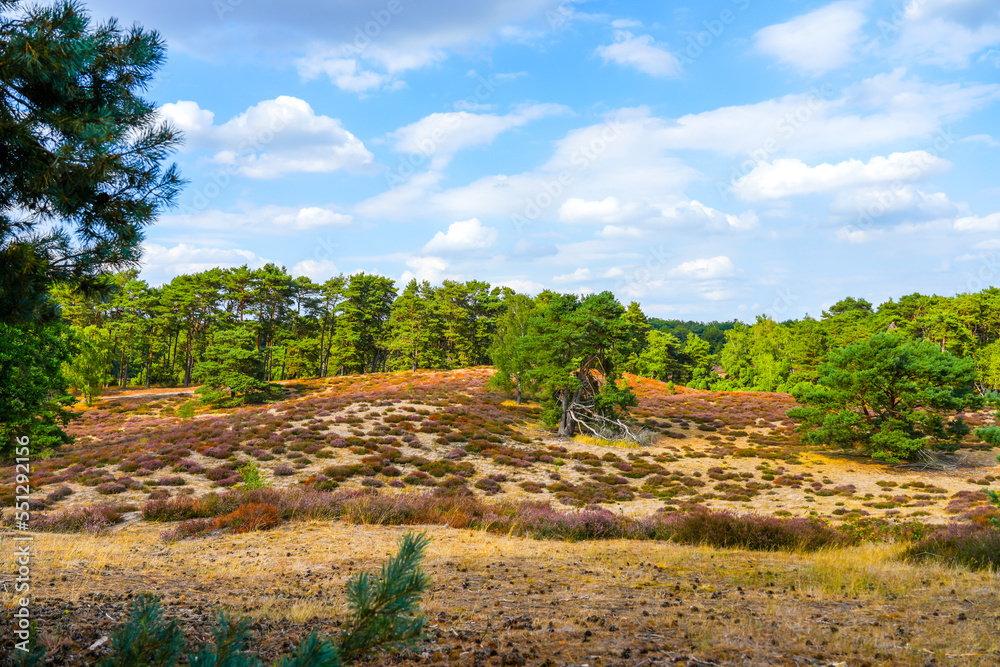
(93,519)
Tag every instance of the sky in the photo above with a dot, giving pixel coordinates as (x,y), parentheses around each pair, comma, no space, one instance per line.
(711,160)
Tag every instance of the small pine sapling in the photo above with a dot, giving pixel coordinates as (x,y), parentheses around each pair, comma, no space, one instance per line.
(313,652)
(253,477)
(146,638)
(231,638)
(385,609)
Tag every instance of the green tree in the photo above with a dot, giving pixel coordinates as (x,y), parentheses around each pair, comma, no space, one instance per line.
(571,349)
(661,358)
(87,369)
(33,389)
(234,364)
(361,330)
(888,396)
(80,151)
(509,354)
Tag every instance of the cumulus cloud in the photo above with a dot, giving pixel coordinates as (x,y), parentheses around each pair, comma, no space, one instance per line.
(160,264)
(440,135)
(318,270)
(576,276)
(430,269)
(975,223)
(462,236)
(707,269)
(642,53)
(947,33)
(787,177)
(576,209)
(816,42)
(272,138)
(274,219)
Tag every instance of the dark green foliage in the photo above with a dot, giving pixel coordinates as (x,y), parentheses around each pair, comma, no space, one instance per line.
(887,396)
(385,609)
(233,364)
(80,152)
(313,652)
(229,650)
(571,351)
(146,639)
(33,392)
(990,435)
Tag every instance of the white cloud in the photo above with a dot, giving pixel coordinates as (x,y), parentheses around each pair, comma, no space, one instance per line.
(576,209)
(975,223)
(316,270)
(430,269)
(529,287)
(274,219)
(160,264)
(345,73)
(576,276)
(694,213)
(272,138)
(440,135)
(462,236)
(789,176)
(387,39)
(642,53)
(707,269)
(947,33)
(816,42)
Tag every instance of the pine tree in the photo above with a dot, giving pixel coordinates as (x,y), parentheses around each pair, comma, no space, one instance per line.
(80,151)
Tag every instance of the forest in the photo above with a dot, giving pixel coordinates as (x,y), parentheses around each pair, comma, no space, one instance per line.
(287,328)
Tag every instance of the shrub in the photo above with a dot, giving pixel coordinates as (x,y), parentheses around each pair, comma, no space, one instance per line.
(253,477)
(175,509)
(746,531)
(283,470)
(110,488)
(146,638)
(171,481)
(970,545)
(94,519)
(251,518)
(59,494)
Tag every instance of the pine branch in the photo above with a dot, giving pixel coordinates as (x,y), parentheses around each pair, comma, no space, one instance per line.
(146,638)
(385,609)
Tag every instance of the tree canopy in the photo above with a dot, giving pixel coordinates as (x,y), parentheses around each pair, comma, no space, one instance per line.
(889,396)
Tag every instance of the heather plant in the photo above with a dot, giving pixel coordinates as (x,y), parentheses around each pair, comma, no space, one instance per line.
(94,519)
(969,545)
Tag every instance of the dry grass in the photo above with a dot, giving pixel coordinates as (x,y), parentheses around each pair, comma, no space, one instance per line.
(859,605)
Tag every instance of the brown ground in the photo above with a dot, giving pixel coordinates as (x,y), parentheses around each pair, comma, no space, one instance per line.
(513,601)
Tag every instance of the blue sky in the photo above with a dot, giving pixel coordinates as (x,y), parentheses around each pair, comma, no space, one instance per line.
(710,160)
